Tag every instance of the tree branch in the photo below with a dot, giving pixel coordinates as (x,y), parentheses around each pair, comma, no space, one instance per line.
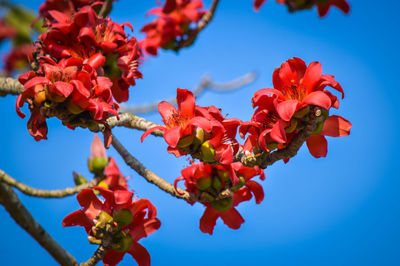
(10,86)
(61,193)
(147,174)
(192,34)
(204,84)
(106,8)
(100,251)
(11,202)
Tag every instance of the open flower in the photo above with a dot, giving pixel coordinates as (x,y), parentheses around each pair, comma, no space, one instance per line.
(125,221)
(210,182)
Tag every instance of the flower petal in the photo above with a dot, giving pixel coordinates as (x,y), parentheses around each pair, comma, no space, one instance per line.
(186,103)
(140,254)
(208,220)
(312,76)
(232,218)
(317,145)
(336,126)
(257,190)
(172,136)
(318,98)
(151,130)
(286,109)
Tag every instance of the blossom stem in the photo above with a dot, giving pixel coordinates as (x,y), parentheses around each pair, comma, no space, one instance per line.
(10,86)
(41,193)
(147,174)
(13,205)
(100,251)
(192,34)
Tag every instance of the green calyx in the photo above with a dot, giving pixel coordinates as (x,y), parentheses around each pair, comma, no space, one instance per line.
(185,141)
(203,183)
(103,220)
(292,126)
(224,175)
(302,112)
(122,242)
(217,184)
(97,164)
(123,217)
(239,184)
(79,179)
(222,205)
(207,152)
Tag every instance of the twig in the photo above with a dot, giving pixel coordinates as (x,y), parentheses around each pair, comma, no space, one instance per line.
(147,174)
(204,84)
(100,251)
(10,86)
(41,193)
(192,34)
(11,202)
(290,151)
(106,8)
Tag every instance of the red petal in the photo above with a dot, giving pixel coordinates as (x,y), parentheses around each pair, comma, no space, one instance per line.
(140,254)
(172,136)
(312,76)
(317,145)
(286,109)
(91,204)
(257,190)
(258,3)
(186,103)
(63,88)
(97,148)
(278,133)
(123,197)
(77,218)
(169,6)
(112,257)
(36,81)
(166,110)
(208,220)
(318,98)
(336,126)
(151,130)
(232,218)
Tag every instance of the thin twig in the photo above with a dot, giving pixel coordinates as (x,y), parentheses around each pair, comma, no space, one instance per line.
(41,193)
(147,174)
(106,8)
(11,202)
(204,84)
(10,86)
(100,251)
(192,34)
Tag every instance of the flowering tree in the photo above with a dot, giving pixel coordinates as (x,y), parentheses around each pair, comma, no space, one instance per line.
(82,66)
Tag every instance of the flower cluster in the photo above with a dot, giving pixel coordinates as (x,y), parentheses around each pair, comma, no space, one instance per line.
(172,24)
(282,112)
(213,184)
(85,64)
(323,6)
(118,219)
(199,131)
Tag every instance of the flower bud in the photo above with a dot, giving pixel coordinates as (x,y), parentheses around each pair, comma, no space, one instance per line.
(222,205)
(123,244)
(239,184)
(79,179)
(302,112)
(97,164)
(217,184)
(39,98)
(224,175)
(207,197)
(123,217)
(203,183)
(207,152)
(199,136)
(185,141)
(73,108)
(103,219)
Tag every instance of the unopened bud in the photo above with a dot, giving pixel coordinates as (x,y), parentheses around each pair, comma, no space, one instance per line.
(185,141)
(79,179)
(199,136)
(207,152)
(203,183)
(103,219)
(73,108)
(222,205)
(97,164)
(217,184)
(123,217)
(207,197)
(239,184)
(224,175)
(93,240)
(123,244)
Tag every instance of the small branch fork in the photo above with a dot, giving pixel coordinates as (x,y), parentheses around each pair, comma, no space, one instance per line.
(13,205)
(41,193)
(192,34)
(204,84)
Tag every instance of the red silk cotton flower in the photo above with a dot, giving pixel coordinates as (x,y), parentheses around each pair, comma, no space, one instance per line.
(323,6)
(201,132)
(124,221)
(173,22)
(210,182)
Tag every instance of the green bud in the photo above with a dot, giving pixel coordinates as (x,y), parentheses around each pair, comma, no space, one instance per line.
(224,175)
(199,136)
(203,183)
(319,127)
(93,240)
(292,126)
(79,179)
(272,146)
(97,164)
(185,141)
(302,112)
(222,205)
(123,217)
(207,197)
(103,219)
(217,184)
(124,244)
(239,184)
(73,108)
(207,152)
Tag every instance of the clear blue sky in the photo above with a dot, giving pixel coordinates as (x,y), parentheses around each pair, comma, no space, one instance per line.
(341,210)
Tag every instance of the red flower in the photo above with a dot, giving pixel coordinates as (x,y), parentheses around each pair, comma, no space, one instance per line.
(114,178)
(334,126)
(297,86)
(208,181)
(126,220)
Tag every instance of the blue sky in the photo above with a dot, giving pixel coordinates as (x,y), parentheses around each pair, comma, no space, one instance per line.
(340,210)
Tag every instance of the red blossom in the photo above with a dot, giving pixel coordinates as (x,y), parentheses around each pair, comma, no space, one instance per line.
(129,221)
(208,181)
